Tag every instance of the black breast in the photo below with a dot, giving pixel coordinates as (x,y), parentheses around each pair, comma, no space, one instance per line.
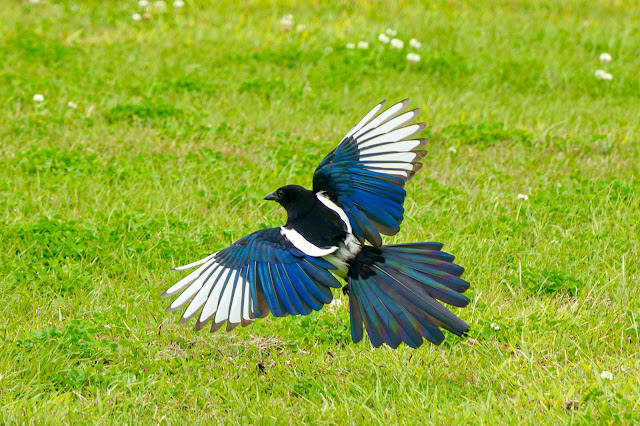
(321,226)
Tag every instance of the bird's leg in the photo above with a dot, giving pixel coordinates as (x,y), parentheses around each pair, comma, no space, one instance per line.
(345,289)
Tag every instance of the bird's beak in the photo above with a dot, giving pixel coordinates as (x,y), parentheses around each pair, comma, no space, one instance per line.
(270,197)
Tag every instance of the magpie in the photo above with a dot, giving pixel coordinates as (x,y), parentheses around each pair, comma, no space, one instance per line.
(334,230)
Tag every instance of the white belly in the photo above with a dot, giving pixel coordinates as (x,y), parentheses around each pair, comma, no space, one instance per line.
(346,251)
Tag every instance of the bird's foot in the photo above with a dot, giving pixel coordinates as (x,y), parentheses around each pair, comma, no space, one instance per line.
(345,289)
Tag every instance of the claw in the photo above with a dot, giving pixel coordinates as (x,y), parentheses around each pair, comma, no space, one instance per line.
(345,289)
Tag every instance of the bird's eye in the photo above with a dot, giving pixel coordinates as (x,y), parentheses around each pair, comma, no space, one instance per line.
(280,193)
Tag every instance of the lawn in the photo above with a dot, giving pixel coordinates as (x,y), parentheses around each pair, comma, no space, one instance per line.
(181,121)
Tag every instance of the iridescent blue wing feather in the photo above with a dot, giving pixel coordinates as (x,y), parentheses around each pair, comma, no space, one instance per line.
(366,173)
(260,273)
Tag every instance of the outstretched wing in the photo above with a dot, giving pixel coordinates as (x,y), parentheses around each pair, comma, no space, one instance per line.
(365,174)
(260,273)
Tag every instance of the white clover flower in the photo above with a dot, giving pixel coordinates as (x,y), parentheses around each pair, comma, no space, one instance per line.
(136,17)
(523,197)
(607,76)
(160,4)
(350,46)
(605,58)
(363,45)
(623,368)
(452,150)
(606,375)
(495,326)
(38,97)
(390,32)
(300,28)
(396,43)
(143,3)
(286,22)
(415,43)
(600,74)
(384,38)
(72,105)
(178,4)
(413,58)
(335,304)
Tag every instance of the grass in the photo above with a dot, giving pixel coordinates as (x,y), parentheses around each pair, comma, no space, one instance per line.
(186,120)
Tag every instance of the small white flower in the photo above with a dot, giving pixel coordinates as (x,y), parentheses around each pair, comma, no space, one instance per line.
(495,326)
(607,76)
(396,43)
(143,3)
(34,1)
(384,38)
(136,17)
(605,58)
(38,97)
(351,46)
(160,4)
(335,304)
(286,22)
(452,150)
(600,74)
(415,43)
(178,4)
(72,105)
(413,57)
(523,197)
(300,28)
(390,32)
(363,45)
(606,375)
(623,368)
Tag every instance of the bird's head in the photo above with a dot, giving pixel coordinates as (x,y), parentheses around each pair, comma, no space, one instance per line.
(294,198)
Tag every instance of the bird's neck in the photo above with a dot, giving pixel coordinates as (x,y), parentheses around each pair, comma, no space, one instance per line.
(301,209)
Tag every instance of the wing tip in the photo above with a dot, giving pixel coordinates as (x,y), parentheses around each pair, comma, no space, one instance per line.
(171,308)
(405,102)
(423,142)
(216,326)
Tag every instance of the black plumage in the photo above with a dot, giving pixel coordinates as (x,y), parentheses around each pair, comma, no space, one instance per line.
(395,291)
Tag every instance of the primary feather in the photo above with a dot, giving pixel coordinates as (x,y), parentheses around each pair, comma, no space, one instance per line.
(358,194)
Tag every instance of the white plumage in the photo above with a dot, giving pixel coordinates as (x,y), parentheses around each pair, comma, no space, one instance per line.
(390,113)
(367,118)
(302,244)
(333,206)
(224,295)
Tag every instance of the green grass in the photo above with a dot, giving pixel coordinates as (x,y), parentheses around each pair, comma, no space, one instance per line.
(186,120)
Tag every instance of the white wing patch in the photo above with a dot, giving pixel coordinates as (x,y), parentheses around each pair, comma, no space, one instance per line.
(366,119)
(385,146)
(302,244)
(215,289)
(393,146)
(324,199)
(385,116)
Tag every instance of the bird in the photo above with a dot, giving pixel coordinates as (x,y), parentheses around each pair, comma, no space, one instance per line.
(397,293)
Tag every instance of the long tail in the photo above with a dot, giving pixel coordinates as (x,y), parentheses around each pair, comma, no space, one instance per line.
(393,291)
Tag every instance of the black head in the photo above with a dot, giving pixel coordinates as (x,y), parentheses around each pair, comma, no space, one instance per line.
(294,198)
